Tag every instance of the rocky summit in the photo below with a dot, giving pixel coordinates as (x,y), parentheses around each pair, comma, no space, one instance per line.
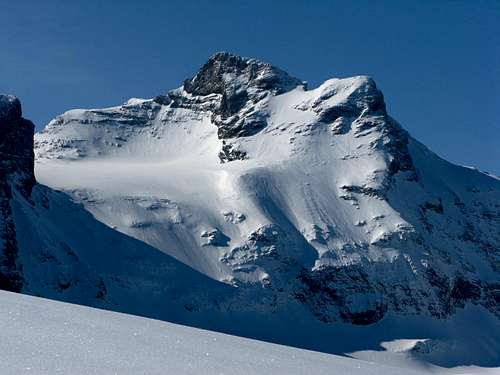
(244,87)
(247,197)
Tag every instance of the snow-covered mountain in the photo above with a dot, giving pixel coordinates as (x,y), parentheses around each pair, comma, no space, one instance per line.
(315,195)
(246,203)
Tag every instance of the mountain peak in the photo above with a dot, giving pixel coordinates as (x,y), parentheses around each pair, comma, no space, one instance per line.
(225,72)
(242,83)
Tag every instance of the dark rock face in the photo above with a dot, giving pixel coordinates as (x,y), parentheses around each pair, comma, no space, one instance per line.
(242,84)
(16,145)
(230,153)
(350,294)
(10,271)
(10,108)
(330,292)
(227,73)
(16,173)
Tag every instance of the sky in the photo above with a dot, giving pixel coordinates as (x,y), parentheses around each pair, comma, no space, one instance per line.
(437,62)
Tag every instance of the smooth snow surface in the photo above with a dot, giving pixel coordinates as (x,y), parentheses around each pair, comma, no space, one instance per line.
(40,336)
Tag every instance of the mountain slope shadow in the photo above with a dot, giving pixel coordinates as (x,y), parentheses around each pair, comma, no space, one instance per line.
(68,255)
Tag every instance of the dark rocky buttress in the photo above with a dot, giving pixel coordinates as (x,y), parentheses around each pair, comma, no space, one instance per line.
(16,176)
(242,83)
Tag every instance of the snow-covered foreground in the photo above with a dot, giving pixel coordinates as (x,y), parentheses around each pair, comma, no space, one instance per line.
(41,336)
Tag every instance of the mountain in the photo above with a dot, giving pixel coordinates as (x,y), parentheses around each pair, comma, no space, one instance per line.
(246,203)
(313,195)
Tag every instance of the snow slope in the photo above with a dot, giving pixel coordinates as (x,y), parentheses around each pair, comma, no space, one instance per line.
(44,337)
(40,336)
(52,247)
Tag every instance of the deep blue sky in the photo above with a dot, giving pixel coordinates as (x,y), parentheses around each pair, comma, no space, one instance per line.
(437,62)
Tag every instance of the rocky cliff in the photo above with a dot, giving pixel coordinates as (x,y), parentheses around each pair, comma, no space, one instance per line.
(16,175)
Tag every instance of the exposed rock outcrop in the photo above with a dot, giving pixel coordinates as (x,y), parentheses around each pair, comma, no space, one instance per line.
(244,85)
(16,145)
(16,176)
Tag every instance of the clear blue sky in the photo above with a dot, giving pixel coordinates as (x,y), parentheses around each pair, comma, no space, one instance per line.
(437,62)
